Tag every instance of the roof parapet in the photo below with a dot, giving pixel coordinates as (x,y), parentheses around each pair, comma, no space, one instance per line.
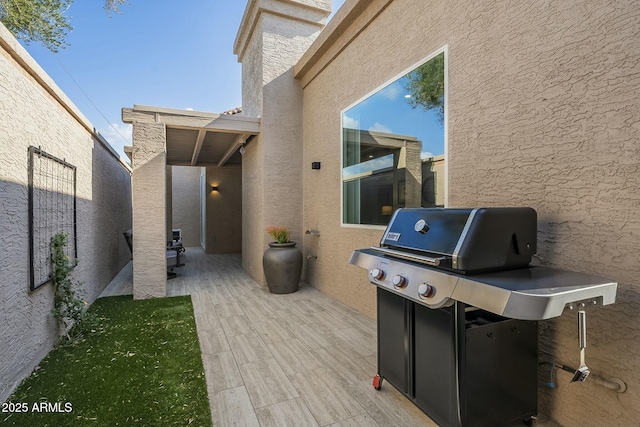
(353,17)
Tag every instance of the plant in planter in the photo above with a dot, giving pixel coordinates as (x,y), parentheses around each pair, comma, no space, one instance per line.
(282,262)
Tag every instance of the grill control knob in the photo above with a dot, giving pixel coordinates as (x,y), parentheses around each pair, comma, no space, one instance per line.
(399,281)
(426,291)
(377,274)
(421,226)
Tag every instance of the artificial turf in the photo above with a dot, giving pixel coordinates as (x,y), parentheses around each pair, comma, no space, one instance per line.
(140,365)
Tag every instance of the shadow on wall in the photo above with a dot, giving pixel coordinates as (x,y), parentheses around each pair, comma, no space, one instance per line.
(27,329)
(611,341)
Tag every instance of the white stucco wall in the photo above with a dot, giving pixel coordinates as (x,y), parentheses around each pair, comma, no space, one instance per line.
(34,112)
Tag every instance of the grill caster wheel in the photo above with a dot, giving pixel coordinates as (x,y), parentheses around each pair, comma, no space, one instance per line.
(377,382)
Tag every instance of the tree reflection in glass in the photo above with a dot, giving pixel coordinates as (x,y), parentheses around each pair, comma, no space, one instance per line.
(393,147)
(425,86)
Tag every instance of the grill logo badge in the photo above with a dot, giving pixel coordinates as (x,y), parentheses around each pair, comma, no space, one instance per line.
(394,237)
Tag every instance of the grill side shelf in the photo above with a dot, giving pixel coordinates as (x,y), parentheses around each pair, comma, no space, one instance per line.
(534,293)
(538,306)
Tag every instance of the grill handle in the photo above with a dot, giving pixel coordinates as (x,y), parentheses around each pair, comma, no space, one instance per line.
(411,257)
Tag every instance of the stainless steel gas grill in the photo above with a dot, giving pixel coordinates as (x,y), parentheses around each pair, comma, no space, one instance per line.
(458,307)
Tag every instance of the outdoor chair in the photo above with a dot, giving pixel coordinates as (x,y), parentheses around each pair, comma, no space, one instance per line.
(175,257)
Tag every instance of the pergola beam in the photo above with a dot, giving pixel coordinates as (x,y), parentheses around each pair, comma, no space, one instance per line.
(240,139)
(186,119)
(196,150)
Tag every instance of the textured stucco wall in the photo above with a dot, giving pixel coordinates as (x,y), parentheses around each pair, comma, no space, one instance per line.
(252,168)
(252,236)
(224,208)
(186,203)
(252,71)
(271,39)
(149,210)
(543,111)
(111,210)
(31,115)
(284,41)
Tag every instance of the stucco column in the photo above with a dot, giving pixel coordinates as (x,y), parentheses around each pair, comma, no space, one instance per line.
(413,174)
(149,210)
(271,39)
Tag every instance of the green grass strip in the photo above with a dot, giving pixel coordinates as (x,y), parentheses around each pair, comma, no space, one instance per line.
(139,366)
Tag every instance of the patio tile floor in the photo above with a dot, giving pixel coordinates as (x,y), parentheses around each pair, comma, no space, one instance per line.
(281,360)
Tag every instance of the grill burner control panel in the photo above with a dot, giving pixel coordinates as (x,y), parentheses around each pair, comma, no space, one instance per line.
(533,293)
(429,287)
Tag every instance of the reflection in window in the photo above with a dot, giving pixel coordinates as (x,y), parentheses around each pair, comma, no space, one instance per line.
(393,147)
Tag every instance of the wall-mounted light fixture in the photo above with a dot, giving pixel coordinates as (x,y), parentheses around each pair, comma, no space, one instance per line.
(242,150)
(214,188)
(387,210)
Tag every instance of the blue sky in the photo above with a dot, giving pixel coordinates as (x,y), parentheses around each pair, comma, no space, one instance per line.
(164,53)
(388,111)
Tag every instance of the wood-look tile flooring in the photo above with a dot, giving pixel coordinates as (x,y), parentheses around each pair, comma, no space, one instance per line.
(301,359)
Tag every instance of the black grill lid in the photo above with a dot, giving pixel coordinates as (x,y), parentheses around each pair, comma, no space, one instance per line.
(440,234)
(470,239)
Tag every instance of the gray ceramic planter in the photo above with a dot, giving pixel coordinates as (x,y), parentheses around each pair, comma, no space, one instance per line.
(282,264)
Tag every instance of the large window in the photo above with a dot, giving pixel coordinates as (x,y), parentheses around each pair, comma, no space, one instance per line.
(393,147)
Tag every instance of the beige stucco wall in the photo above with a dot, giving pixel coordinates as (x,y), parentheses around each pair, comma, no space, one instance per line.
(252,236)
(186,203)
(149,210)
(282,138)
(224,220)
(273,35)
(433,170)
(34,112)
(543,111)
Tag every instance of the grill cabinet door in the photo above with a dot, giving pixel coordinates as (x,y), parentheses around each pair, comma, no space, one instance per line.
(393,340)
(435,363)
(501,372)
